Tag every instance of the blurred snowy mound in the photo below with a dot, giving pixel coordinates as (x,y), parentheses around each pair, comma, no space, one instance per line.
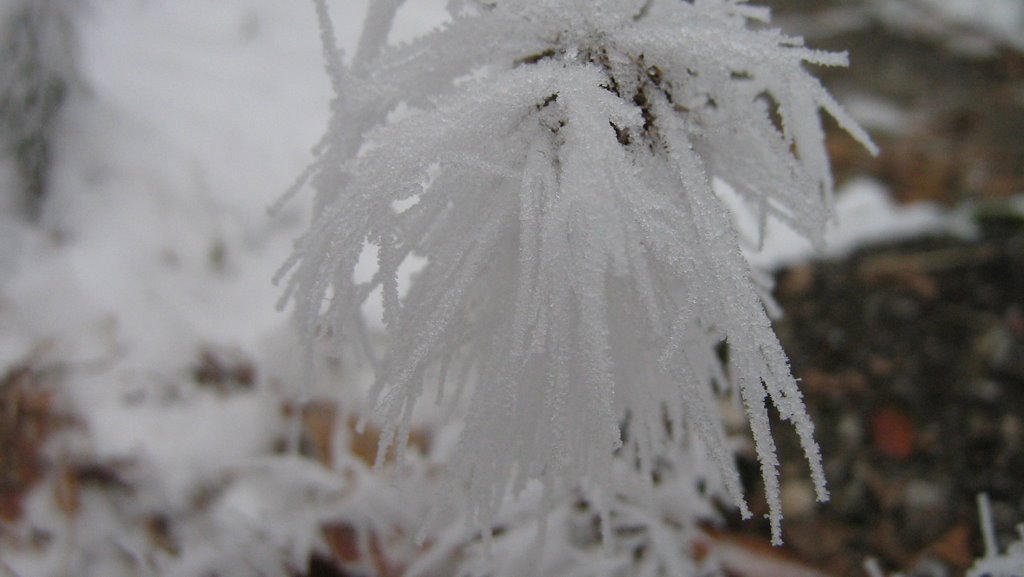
(970,26)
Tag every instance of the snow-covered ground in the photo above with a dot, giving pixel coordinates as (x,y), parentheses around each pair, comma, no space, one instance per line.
(968,25)
(156,247)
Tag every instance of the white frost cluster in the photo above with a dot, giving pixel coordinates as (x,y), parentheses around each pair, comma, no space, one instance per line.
(551,163)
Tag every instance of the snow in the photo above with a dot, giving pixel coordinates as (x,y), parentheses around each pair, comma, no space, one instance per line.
(864,215)
(969,26)
(191,128)
(155,244)
(1003,18)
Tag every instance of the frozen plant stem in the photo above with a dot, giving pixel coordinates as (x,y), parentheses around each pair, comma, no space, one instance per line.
(555,171)
(996,563)
(988,529)
(37,72)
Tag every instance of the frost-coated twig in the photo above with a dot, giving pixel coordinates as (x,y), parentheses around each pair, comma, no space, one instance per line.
(996,562)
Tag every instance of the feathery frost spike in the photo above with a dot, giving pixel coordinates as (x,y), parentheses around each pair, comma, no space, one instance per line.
(580,269)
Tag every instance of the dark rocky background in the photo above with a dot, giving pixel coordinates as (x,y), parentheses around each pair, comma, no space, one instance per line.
(912,354)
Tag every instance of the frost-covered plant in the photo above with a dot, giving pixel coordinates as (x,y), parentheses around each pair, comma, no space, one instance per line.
(36,70)
(552,162)
(1009,562)
(993,563)
(655,530)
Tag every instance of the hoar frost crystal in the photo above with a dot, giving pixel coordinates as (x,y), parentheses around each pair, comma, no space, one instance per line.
(553,165)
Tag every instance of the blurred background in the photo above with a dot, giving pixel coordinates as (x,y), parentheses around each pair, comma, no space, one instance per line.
(911,351)
(144,368)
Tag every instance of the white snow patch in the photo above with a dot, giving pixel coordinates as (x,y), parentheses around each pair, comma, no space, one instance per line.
(865,214)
